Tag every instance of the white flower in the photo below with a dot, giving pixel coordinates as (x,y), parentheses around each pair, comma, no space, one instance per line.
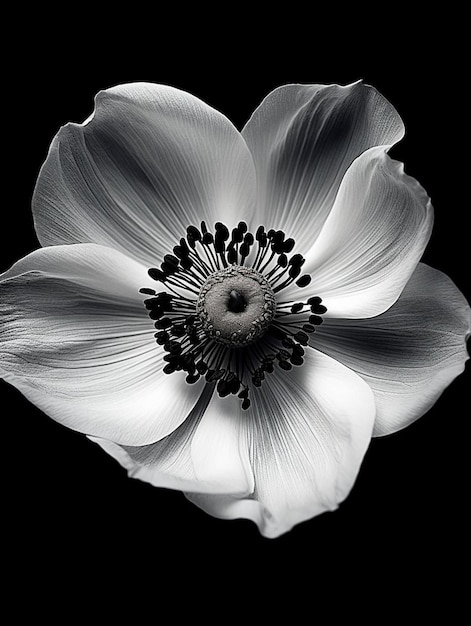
(278,433)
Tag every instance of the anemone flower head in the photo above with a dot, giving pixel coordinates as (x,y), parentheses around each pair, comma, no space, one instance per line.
(233,314)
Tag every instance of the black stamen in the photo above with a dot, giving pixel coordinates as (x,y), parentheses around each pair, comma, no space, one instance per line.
(308,328)
(162,337)
(164,323)
(303,281)
(294,271)
(237,235)
(180,252)
(168,268)
(192,378)
(208,239)
(283,260)
(186,263)
(194,233)
(288,245)
(171,260)
(189,345)
(302,338)
(244,250)
(232,255)
(156,274)
(297,260)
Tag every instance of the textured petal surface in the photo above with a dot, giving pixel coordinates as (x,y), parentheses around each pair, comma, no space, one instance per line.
(150,161)
(409,354)
(220,447)
(76,340)
(309,429)
(372,240)
(207,453)
(303,139)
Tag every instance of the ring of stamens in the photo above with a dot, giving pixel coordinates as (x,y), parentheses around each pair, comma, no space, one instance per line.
(219,316)
(236,327)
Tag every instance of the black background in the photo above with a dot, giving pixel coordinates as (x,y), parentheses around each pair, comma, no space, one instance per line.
(73,506)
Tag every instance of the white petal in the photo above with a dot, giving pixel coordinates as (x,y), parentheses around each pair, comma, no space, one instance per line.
(372,240)
(409,354)
(219,450)
(76,340)
(309,431)
(230,507)
(150,161)
(205,454)
(303,139)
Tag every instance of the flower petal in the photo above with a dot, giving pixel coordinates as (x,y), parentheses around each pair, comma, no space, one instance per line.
(303,139)
(409,354)
(149,161)
(372,240)
(309,431)
(170,462)
(219,450)
(76,341)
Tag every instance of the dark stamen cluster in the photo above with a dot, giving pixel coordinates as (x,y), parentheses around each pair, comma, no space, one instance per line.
(188,344)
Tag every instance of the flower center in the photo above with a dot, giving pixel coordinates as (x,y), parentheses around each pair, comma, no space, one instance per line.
(220,315)
(236,306)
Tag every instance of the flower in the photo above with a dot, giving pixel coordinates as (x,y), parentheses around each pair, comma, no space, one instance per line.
(233,315)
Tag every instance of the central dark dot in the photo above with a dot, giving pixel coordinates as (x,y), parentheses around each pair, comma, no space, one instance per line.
(236,303)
